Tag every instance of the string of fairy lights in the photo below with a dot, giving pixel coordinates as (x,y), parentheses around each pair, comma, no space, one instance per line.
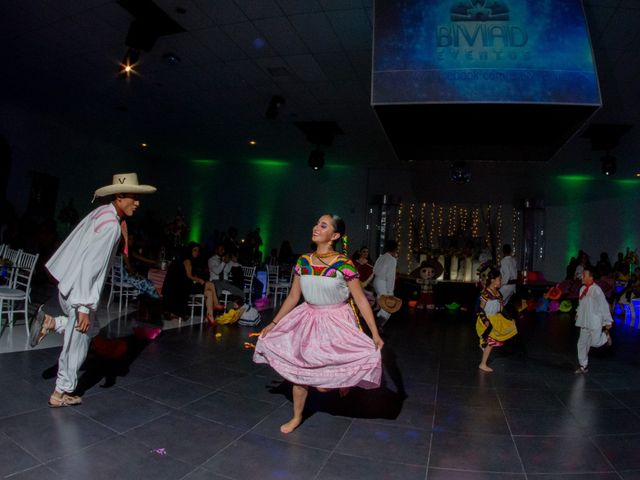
(398,227)
(422,233)
(499,232)
(432,230)
(420,227)
(410,234)
(515,221)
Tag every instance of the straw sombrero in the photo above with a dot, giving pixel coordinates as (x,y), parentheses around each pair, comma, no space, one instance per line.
(124,183)
(389,303)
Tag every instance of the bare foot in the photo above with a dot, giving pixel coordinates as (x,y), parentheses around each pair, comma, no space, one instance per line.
(485,368)
(323,390)
(291,425)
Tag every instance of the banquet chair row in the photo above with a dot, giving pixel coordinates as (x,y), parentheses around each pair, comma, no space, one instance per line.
(15,294)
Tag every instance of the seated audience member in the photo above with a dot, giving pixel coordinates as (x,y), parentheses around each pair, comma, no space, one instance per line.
(140,283)
(232,278)
(630,292)
(217,263)
(182,281)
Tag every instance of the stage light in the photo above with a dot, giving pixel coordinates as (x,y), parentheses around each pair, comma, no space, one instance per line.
(609,165)
(252,142)
(144,145)
(316,159)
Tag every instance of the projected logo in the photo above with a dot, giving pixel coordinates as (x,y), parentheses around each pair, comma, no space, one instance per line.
(481,30)
(479,11)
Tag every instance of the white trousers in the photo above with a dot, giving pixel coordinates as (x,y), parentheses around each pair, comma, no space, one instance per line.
(589,337)
(507,292)
(74,348)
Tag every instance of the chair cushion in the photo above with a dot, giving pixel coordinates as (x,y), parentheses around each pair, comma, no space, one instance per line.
(12,293)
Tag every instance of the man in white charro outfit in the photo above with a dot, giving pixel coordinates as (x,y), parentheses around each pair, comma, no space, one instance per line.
(80,265)
(594,319)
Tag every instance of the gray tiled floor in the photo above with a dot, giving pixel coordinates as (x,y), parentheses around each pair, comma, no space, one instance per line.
(190,406)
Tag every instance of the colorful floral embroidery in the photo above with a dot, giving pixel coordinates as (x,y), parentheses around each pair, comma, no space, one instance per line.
(341,264)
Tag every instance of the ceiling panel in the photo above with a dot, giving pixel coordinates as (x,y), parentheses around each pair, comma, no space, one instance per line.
(255,9)
(249,39)
(220,43)
(306,68)
(280,34)
(336,65)
(222,12)
(294,7)
(316,32)
(353,28)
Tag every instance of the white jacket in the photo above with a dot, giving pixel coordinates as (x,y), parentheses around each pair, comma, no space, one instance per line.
(82,262)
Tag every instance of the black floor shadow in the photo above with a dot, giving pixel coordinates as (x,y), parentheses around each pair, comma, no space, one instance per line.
(112,359)
(108,359)
(384,402)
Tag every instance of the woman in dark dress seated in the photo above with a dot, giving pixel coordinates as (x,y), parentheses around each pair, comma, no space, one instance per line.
(183,280)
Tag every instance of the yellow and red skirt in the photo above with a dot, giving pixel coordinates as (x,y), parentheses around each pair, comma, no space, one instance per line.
(494,330)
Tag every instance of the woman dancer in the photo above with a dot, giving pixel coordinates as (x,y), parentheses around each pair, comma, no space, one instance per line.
(318,343)
(492,326)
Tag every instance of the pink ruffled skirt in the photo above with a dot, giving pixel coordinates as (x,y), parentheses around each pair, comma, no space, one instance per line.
(321,346)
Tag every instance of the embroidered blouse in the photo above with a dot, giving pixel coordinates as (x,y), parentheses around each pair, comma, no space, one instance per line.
(325,284)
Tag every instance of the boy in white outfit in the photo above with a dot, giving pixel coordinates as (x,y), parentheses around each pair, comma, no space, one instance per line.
(80,266)
(594,319)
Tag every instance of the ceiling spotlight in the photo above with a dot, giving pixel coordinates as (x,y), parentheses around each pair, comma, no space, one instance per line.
(144,145)
(609,165)
(316,159)
(252,142)
(131,57)
(460,173)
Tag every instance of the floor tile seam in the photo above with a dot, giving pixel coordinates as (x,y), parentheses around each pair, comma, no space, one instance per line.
(335,447)
(229,392)
(513,440)
(613,468)
(208,471)
(241,436)
(198,383)
(433,419)
(79,411)
(477,471)
(41,465)
(24,412)
(47,463)
(614,434)
(392,462)
(226,392)
(376,421)
(33,456)
(128,430)
(576,417)
(158,401)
